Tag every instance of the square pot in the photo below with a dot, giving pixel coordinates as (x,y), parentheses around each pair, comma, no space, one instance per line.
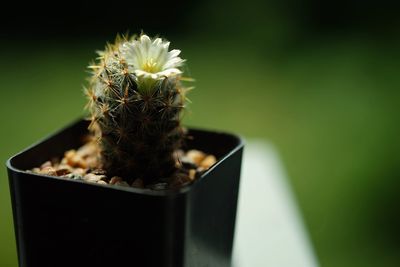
(64,222)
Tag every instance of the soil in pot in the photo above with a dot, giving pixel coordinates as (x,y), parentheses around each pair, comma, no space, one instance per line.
(84,164)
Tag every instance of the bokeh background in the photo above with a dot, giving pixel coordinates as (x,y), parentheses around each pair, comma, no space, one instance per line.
(318,79)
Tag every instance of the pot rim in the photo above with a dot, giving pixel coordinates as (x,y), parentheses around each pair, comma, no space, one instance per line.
(143,191)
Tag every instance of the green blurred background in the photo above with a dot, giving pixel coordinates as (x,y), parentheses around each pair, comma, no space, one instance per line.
(319,81)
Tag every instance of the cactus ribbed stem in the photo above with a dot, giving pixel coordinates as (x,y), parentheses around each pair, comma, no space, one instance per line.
(136,99)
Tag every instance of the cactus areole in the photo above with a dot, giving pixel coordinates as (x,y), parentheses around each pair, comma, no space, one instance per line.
(135,100)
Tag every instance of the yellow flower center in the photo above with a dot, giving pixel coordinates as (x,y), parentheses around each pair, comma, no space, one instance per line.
(150,66)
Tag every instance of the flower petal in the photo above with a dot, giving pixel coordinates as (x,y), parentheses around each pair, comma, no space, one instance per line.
(157,42)
(169,72)
(173,63)
(174,53)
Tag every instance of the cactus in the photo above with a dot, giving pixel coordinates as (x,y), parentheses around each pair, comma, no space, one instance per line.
(135,100)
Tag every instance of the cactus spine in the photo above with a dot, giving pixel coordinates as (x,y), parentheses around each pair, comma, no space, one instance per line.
(136,99)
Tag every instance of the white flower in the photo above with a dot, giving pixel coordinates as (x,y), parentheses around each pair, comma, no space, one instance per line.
(149,59)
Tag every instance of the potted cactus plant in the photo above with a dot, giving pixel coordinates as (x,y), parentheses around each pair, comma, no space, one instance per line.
(165,214)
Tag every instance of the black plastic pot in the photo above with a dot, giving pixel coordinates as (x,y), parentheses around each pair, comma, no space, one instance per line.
(62,222)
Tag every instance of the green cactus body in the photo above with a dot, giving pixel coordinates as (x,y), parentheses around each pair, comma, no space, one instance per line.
(136,99)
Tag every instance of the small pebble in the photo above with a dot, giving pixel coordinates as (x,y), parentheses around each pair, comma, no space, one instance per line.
(63,166)
(79,171)
(48,171)
(63,171)
(115,179)
(208,161)
(122,183)
(69,154)
(187,162)
(36,170)
(91,177)
(201,169)
(46,164)
(192,174)
(75,160)
(196,155)
(98,171)
(73,176)
(64,161)
(79,162)
(138,183)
